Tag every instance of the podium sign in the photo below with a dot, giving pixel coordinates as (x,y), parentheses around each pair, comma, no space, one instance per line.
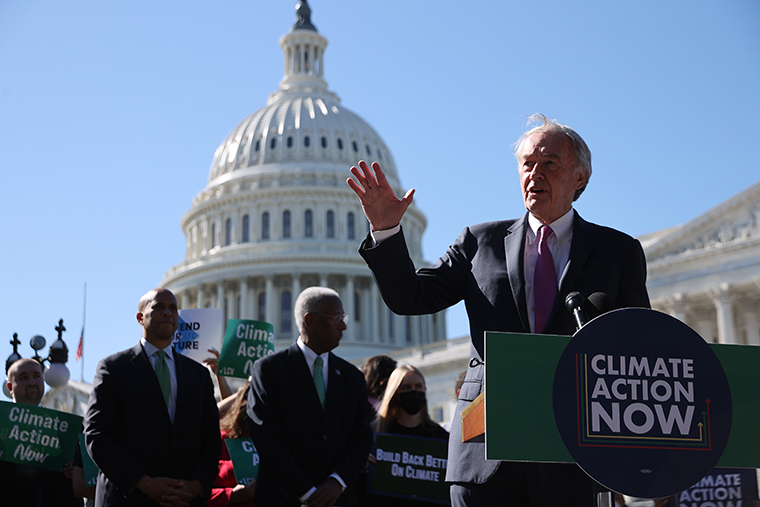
(520,413)
(642,403)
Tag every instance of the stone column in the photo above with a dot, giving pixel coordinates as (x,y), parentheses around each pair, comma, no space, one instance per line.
(201,301)
(676,307)
(296,286)
(374,328)
(724,309)
(348,307)
(751,323)
(232,305)
(244,311)
(185,297)
(271,302)
(323,279)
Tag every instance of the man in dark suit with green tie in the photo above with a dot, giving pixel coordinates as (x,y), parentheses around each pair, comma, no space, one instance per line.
(152,425)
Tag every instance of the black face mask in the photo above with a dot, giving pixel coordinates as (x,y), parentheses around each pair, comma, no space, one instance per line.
(412,402)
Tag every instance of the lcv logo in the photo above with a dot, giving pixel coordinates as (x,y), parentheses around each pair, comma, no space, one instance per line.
(642,403)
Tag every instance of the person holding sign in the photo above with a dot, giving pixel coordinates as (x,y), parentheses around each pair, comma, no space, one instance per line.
(234,424)
(24,485)
(152,426)
(404,411)
(309,413)
(513,276)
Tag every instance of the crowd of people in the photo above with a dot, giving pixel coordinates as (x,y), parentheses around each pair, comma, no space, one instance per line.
(153,427)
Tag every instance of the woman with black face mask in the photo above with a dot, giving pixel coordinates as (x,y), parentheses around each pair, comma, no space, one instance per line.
(404,411)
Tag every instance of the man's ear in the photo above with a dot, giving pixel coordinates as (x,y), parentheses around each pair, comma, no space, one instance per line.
(307,320)
(139,317)
(9,386)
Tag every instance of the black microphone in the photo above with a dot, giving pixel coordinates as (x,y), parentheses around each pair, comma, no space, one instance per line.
(575,303)
(597,304)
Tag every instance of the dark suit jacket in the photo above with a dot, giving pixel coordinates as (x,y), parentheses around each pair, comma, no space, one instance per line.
(24,485)
(129,433)
(484,267)
(299,442)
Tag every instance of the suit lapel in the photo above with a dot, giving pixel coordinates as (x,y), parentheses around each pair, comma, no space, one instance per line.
(580,249)
(146,372)
(514,246)
(302,373)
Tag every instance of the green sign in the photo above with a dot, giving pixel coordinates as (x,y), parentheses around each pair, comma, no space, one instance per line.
(245,459)
(90,468)
(245,341)
(410,467)
(519,413)
(37,436)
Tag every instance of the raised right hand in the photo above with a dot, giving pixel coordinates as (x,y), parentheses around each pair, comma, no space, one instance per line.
(379,202)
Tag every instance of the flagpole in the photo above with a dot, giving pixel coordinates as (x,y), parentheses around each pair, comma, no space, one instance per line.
(81,338)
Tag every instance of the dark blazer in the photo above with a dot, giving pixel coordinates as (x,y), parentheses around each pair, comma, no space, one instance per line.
(300,443)
(484,267)
(129,433)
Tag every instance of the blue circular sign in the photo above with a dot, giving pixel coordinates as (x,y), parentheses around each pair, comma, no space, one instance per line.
(642,403)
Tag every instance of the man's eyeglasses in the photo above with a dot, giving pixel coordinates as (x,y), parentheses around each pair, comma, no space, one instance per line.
(337,316)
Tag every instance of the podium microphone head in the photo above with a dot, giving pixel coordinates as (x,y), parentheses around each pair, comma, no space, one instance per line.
(574,301)
(598,304)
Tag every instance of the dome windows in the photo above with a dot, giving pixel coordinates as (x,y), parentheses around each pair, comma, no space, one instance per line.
(246,229)
(290,142)
(265,226)
(355,146)
(258,145)
(351,228)
(286,224)
(308,225)
(330,224)
(340,143)
(273,143)
(324,142)
(369,152)
(307,141)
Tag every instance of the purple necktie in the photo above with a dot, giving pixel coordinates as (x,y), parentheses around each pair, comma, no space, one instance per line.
(544,280)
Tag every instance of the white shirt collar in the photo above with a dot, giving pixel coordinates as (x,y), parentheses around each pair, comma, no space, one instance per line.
(562,227)
(151,349)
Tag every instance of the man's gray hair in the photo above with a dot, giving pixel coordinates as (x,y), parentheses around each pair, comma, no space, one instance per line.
(582,152)
(311,300)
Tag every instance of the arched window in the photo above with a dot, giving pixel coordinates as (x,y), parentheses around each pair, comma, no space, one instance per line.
(324,142)
(307,141)
(330,224)
(246,228)
(340,143)
(265,225)
(262,306)
(286,313)
(213,234)
(227,232)
(355,146)
(351,231)
(273,143)
(290,141)
(308,224)
(286,224)
(258,144)
(357,316)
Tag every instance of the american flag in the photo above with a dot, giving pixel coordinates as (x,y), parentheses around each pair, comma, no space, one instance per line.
(80,346)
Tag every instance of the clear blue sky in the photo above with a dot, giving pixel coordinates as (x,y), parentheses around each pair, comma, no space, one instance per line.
(110,112)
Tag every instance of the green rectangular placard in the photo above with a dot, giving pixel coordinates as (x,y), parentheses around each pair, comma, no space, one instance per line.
(519,413)
(37,436)
(245,459)
(245,341)
(410,467)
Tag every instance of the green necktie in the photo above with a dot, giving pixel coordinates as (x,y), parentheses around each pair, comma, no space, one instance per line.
(164,378)
(319,380)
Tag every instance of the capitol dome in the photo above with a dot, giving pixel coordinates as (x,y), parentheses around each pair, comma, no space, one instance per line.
(276,215)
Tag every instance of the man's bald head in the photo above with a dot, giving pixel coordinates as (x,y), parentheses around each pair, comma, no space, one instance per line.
(25,381)
(158,315)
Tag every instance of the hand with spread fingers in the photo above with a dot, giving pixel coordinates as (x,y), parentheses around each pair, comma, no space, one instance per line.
(379,202)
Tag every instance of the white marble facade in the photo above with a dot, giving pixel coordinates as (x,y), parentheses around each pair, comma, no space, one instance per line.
(276,215)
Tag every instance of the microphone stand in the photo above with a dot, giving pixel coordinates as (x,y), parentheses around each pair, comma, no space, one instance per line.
(574,302)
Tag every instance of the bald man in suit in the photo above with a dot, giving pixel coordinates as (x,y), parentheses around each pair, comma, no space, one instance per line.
(152,425)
